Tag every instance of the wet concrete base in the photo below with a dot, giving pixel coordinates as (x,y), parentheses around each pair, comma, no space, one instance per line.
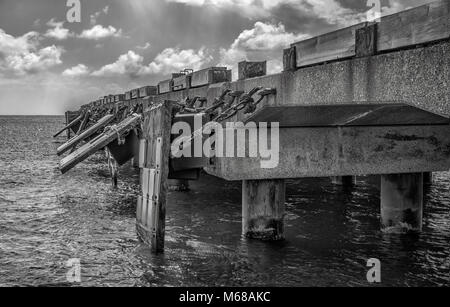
(263,207)
(402,202)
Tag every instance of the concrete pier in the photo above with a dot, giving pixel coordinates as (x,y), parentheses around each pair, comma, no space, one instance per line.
(402,202)
(382,113)
(263,206)
(428,178)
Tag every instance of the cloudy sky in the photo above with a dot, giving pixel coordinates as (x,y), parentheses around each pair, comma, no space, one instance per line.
(48,65)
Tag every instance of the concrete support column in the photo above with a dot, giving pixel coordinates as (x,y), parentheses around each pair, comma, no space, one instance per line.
(180,185)
(263,205)
(402,202)
(344,180)
(428,178)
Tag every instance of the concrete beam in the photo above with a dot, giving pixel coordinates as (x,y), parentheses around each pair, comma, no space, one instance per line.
(402,202)
(345,151)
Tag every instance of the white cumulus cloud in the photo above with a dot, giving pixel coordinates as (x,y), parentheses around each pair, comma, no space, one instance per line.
(173,60)
(146,46)
(57,31)
(22,55)
(168,61)
(129,63)
(98,32)
(76,71)
(265,41)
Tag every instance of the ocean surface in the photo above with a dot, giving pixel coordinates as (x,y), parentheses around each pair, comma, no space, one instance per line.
(47,218)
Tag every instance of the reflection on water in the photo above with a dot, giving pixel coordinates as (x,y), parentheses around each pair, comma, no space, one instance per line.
(47,218)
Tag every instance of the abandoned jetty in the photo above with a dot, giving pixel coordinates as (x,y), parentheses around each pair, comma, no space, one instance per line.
(370,99)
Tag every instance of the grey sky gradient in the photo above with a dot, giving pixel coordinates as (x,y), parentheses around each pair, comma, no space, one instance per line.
(48,65)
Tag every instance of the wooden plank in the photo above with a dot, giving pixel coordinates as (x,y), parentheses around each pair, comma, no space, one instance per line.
(331,46)
(97,143)
(423,24)
(85,134)
(157,133)
(84,122)
(139,208)
(70,125)
(142,152)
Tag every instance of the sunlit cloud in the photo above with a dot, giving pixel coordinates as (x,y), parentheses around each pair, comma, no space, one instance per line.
(264,41)
(168,61)
(76,71)
(98,32)
(57,31)
(22,55)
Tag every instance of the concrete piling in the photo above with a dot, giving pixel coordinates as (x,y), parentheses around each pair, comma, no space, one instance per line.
(428,178)
(263,206)
(402,202)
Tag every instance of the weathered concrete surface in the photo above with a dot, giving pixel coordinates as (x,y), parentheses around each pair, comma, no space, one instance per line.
(247,70)
(346,151)
(263,206)
(419,77)
(402,202)
(428,178)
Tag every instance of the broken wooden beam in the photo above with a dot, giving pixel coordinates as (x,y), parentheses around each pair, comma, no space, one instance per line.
(98,143)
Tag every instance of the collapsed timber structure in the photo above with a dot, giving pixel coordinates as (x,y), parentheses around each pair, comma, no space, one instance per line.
(371,99)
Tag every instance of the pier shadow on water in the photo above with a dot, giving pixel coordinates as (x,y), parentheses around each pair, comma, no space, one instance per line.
(47,218)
